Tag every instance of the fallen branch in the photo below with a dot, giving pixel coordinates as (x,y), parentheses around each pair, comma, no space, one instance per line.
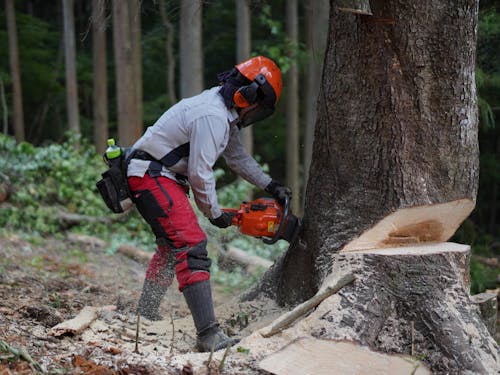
(80,322)
(251,262)
(87,240)
(286,319)
(69,219)
(19,353)
(75,219)
(135,253)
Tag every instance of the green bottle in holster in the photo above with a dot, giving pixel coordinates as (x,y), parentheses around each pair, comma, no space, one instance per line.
(114,185)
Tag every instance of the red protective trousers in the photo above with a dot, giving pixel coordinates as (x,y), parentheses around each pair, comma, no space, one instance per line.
(163,203)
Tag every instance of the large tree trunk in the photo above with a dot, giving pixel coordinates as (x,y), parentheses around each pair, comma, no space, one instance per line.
(397,126)
(393,175)
(17,96)
(191,51)
(100,84)
(70,64)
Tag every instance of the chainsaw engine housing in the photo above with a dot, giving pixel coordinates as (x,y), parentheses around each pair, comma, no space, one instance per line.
(262,218)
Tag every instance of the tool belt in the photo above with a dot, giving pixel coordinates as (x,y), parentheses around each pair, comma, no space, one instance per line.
(113,186)
(156,166)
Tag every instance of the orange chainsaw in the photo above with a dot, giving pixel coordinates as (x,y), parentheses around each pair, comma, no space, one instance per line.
(265,218)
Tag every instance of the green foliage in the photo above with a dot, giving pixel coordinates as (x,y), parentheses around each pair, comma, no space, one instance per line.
(276,45)
(60,178)
(56,175)
(483,247)
(482,277)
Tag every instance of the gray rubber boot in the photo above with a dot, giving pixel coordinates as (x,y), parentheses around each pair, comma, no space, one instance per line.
(209,335)
(149,303)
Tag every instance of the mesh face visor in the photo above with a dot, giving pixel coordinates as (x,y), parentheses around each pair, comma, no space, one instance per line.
(262,94)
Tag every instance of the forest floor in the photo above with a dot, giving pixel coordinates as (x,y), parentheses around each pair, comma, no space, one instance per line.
(49,281)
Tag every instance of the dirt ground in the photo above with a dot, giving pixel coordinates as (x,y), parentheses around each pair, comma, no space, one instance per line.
(50,281)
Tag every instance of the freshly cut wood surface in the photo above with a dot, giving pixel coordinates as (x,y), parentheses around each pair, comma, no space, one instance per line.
(420,224)
(314,356)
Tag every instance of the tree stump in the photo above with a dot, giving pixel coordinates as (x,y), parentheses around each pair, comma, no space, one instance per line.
(410,300)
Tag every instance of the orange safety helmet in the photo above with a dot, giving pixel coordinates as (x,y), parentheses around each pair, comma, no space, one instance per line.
(262,72)
(257,86)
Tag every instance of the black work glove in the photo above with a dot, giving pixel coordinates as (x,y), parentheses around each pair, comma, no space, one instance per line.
(223,221)
(278,191)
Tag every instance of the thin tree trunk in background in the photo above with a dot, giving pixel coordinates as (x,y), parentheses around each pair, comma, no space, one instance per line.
(292,107)
(169,49)
(191,53)
(135,37)
(316,19)
(125,91)
(100,84)
(70,66)
(243,49)
(17,97)
(5,109)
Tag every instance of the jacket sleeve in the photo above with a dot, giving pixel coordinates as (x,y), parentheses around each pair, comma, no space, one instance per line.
(207,140)
(241,163)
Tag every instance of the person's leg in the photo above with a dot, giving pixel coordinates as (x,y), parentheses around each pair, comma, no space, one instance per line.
(165,206)
(160,271)
(159,276)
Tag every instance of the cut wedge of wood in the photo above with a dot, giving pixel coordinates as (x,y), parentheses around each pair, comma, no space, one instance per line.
(420,224)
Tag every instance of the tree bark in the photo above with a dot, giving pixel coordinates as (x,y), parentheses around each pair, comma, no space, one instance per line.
(100,84)
(17,96)
(70,66)
(292,106)
(191,51)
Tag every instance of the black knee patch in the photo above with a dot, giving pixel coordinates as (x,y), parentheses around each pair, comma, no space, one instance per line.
(197,257)
(150,209)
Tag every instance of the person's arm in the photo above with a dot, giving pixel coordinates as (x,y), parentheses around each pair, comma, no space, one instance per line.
(241,163)
(206,144)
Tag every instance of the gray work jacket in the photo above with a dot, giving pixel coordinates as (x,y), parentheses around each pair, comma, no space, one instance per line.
(189,138)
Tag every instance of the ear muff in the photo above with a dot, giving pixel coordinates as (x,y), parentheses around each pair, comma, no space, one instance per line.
(248,94)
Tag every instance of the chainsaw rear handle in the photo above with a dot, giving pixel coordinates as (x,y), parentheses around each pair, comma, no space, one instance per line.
(234,215)
(279,233)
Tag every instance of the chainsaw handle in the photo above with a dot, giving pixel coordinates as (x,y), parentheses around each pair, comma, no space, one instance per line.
(281,228)
(234,215)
